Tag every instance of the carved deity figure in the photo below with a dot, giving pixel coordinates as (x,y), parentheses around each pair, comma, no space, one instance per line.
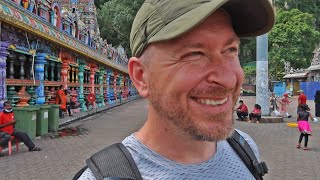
(73,30)
(287,67)
(31,6)
(104,48)
(291,70)
(55,17)
(24,97)
(316,57)
(25,3)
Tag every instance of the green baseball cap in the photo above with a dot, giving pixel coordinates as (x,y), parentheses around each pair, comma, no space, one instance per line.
(159,20)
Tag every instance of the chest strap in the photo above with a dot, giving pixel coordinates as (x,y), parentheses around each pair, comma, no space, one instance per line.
(246,154)
(114,163)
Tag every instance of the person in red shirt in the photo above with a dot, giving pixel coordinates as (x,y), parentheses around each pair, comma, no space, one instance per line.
(242,111)
(302,99)
(62,100)
(7,129)
(256,113)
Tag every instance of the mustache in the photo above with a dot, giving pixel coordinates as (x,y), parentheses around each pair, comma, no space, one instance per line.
(217,91)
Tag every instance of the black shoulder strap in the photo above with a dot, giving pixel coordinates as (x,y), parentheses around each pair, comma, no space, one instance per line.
(79,173)
(244,151)
(113,163)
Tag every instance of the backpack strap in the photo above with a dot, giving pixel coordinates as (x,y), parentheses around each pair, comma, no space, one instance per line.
(114,163)
(79,173)
(245,152)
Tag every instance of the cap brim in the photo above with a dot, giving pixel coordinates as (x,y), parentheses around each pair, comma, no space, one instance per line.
(249,18)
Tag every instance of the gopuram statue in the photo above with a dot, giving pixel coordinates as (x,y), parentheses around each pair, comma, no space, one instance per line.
(316,57)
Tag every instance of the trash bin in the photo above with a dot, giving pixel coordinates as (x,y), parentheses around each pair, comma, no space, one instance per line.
(26,120)
(42,119)
(53,119)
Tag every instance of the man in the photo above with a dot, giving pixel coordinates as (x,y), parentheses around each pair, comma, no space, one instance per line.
(302,99)
(7,129)
(242,111)
(185,63)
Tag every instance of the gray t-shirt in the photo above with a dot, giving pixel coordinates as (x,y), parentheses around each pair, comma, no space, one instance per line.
(225,164)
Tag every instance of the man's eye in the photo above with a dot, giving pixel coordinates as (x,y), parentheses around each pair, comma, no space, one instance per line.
(233,49)
(195,53)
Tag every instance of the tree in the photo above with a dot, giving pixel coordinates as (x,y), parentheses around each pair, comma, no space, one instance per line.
(115,19)
(308,6)
(249,72)
(99,3)
(247,50)
(293,39)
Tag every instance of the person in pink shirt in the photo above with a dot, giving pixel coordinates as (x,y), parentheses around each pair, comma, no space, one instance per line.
(284,105)
(256,113)
(242,111)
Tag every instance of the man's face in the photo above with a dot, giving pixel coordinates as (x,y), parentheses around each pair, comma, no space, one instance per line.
(194,80)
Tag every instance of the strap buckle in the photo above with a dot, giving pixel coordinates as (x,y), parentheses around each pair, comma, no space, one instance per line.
(261,168)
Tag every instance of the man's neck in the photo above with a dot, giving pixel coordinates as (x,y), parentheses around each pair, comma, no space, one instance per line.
(163,137)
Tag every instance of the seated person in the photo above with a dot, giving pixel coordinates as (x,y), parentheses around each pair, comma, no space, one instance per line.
(7,129)
(242,111)
(256,113)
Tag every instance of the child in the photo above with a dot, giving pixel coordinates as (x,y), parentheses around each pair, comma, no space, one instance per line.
(256,112)
(303,125)
(284,105)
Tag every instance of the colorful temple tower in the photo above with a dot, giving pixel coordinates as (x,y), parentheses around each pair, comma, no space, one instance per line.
(48,43)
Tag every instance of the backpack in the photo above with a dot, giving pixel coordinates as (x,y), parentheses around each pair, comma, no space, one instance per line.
(116,163)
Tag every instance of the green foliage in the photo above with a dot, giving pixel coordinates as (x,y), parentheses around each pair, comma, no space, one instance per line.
(99,3)
(293,39)
(249,71)
(247,50)
(115,18)
(308,6)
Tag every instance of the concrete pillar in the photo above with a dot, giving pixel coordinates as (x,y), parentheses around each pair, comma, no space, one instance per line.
(262,85)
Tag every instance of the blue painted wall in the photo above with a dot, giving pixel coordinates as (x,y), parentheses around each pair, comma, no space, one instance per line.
(310,89)
(279,88)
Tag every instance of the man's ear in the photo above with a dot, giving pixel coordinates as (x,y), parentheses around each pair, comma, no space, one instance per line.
(138,75)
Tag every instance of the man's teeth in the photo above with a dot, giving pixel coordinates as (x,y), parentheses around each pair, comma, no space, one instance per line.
(212,102)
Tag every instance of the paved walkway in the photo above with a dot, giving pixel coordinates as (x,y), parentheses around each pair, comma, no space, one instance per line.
(62,157)
(81,115)
(277,143)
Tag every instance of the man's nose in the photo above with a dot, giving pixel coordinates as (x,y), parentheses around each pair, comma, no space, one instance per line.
(222,73)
